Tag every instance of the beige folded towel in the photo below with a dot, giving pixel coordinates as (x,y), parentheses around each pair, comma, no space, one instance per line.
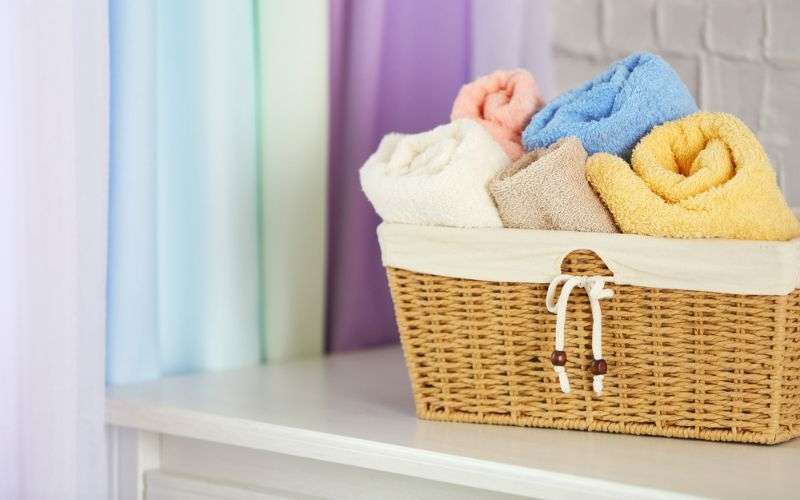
(547,189)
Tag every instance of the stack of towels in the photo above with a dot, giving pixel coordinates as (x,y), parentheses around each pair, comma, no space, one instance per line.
(627,151)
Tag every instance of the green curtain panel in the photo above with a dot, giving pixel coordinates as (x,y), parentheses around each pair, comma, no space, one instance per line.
(293,61)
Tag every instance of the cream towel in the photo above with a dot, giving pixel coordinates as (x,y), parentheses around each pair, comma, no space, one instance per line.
(547,189)
(436,178)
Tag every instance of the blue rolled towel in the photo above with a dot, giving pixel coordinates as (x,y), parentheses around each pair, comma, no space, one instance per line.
(615,109)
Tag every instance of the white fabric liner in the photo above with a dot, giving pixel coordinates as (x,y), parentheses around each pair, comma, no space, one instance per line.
(533,256)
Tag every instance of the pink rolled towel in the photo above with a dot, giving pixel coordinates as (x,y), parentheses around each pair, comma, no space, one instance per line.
(547,189)
(503,103)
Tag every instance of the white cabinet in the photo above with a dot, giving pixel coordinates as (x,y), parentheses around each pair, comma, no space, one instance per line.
(344,427)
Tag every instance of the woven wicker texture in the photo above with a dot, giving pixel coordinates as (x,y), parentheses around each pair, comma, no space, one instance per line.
(680,363)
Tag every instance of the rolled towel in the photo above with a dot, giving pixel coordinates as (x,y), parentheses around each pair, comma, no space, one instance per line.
(436,178)
(547,189)
(503,102)
(704,176)
(614,110)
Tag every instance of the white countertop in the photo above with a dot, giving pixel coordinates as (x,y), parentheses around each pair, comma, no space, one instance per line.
(356,409)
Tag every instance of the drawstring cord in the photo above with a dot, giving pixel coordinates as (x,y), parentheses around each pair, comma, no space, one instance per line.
(595,289)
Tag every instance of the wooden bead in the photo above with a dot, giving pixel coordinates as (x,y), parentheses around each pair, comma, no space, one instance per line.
(599,367)
(558,358)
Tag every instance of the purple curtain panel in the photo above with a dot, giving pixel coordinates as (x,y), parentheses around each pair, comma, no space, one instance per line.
(395,66)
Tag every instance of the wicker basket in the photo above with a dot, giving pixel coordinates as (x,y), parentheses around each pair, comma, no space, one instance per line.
(681,363)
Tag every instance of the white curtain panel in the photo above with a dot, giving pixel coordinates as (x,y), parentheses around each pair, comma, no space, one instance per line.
(53,185)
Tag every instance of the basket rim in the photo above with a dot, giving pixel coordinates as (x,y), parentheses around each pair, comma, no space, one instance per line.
(744,267)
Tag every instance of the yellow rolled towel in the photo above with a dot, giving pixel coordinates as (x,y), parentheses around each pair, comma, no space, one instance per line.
(702,176)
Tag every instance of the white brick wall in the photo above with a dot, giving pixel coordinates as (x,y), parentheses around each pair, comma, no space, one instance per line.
(739,56)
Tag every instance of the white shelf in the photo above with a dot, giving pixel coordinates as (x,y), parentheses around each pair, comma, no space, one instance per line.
(356,409)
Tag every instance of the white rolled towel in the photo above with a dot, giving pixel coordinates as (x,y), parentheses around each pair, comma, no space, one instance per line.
(436,178)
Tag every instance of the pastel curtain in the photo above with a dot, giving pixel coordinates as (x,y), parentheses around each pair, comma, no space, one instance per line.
(513,34)
(53,165)
(183,260)
(397,66)
(293,65)
(203,257)
(132,277)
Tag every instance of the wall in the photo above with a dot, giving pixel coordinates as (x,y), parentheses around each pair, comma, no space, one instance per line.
(739,56)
